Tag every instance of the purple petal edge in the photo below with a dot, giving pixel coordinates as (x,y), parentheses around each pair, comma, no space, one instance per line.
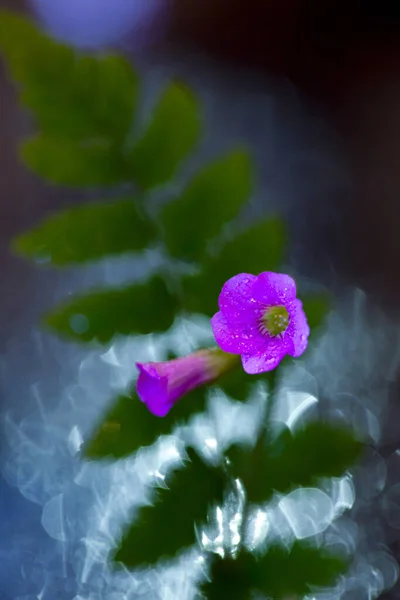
(152,389)
(254,364)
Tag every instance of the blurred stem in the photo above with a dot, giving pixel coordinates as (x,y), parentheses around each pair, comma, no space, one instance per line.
(259,447)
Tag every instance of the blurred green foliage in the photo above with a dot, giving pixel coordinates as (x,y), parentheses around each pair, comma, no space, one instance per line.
(70,96)
(128,425)
(259,248)
(93,162)
(85,111)
(168,527)
(102,314)
(277,574)
(88,232)
(316,450)
(212,199)
(172,133)
(316,308)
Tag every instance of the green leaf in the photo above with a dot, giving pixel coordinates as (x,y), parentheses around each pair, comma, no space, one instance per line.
(99,100)
(238,384)
(94,163)
(259,248)
(317,450)
(316,308)
(212,198)
(23,46)
(71,96)
(173,132)
(99,315)
(168,527)
(278,574)
(87,232)
(129,425)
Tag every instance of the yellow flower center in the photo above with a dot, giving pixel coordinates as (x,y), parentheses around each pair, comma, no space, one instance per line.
(275,320)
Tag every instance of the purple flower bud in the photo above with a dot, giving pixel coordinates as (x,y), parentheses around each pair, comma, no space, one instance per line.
(161,384)
(261,319)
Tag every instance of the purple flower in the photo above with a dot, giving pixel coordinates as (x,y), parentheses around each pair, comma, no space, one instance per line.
(161,384)
(261,319)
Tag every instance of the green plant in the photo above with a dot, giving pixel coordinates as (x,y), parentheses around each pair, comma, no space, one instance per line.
(84,109)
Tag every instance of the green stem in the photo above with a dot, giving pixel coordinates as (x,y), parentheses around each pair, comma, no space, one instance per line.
(259,447)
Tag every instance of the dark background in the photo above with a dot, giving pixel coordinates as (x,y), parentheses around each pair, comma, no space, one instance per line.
(343,57)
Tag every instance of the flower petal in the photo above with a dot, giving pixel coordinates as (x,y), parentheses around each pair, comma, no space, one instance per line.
(262,362)
(237,338)
(236,296)
(299,329)
(274,288)
(235,327)
(161,385)
(152,389)
(223,334)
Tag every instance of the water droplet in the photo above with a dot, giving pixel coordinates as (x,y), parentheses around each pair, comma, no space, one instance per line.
(79,323)
(42,257)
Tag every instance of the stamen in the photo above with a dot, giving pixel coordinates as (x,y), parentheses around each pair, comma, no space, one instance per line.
(275,320)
